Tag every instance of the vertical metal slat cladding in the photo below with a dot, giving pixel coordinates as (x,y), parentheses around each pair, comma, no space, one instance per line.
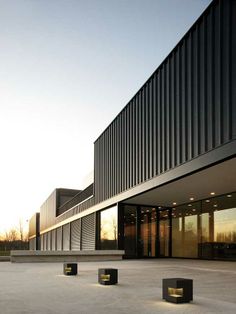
(185,109)
(233,69)
(154,130)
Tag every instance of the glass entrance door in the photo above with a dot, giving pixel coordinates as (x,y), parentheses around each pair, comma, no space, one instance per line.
(164,230)
(148,232)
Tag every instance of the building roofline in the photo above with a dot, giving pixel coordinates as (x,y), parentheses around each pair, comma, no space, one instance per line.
(207,9)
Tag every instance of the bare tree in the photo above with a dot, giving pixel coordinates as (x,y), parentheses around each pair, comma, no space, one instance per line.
(114,226)
(21,230)
(11,235)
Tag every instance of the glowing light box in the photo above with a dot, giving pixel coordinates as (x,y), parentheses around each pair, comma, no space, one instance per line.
(177,290)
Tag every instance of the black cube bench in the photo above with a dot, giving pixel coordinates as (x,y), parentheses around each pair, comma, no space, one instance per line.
(70,269)
(177,290)
(107,276)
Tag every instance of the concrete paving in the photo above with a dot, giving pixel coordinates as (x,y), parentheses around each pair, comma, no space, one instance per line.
(43,289)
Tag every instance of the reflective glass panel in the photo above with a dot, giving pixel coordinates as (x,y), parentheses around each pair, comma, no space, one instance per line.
(108,229)
(148,232)
(219,227)
(130,230)
(185,225)
(164,227)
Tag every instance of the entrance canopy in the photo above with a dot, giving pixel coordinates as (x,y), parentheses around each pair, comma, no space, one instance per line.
(215,180)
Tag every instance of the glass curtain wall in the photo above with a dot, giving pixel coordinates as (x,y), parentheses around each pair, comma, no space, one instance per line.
(185,225)
(130,230)
(108,229)
(164,233)
(148,232)
(218,238)
(205,229)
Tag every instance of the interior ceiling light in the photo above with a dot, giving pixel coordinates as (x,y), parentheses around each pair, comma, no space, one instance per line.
(191,198)
(229,195)
(207,201)
(212,193)
(189,205)
(174,203)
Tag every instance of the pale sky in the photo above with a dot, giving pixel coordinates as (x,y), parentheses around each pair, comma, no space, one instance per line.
(67,67)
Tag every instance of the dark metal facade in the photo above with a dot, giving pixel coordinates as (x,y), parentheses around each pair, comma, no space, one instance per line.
(34,232)
(56,204)
(185,109)
(78,198)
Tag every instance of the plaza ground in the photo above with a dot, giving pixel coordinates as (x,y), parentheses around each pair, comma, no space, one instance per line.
(42,287)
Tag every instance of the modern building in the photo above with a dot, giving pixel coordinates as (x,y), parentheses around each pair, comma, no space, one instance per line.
(165,168)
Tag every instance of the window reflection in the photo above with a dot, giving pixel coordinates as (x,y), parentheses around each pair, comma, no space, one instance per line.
(221,222)
(185,230)
(108,229)
(205,229)
(225,225)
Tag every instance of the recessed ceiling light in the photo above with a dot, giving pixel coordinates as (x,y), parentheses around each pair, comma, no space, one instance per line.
(174,203)
(229,195)
(190,205)
(207,201)
(191,198)
(212,193)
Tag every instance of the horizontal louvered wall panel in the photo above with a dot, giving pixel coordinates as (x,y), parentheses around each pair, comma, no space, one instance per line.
(66,237)
(88,232)
(77,209)
(184,110)
(75,235)
(59,238)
